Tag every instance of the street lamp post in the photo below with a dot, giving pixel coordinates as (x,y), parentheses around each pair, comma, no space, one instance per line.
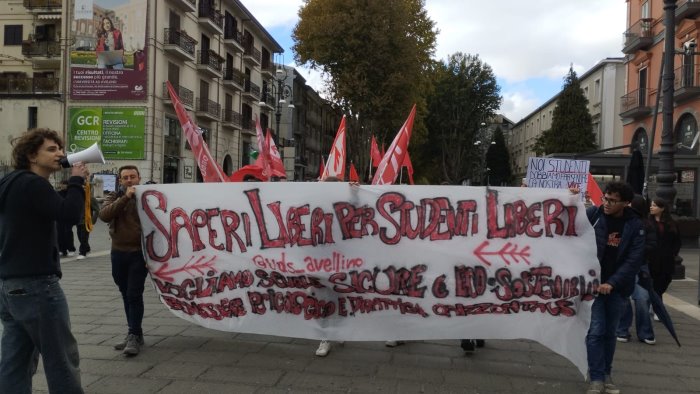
(666,174)
(281,92)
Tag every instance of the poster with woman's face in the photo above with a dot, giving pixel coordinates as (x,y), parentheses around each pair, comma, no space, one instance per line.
(108,54)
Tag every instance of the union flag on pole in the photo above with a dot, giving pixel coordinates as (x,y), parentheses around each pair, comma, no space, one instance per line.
(276,164)
(210,169)
(391,163)
(335,165)
(409,168)
(353,174)
(374,153)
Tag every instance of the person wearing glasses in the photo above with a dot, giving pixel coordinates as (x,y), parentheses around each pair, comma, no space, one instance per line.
(620,241)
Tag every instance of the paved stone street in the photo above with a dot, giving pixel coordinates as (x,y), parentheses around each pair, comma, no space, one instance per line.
(184,358)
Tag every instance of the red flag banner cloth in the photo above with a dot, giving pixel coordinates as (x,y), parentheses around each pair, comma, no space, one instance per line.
(276,164)
(353,174)
(253,170)
(321,168)
(263,159)
(210,169)
(374,153)
(409,167)
(335,165)
(393,159)
(594,191)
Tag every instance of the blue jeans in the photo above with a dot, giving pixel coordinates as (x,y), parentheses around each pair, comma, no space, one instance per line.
(129,273)
(642,317)
(600,341)
(34,315)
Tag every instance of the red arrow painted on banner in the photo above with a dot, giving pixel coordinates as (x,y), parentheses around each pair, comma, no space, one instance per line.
(190,266)
(508,250)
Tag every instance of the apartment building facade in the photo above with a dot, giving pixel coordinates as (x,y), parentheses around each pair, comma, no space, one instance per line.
(98,74)
(644,48)
(602,85)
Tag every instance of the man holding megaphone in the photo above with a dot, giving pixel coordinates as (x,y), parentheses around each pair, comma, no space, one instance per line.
(33,307)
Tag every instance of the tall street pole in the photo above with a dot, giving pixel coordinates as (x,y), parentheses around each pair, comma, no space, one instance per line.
(667,174)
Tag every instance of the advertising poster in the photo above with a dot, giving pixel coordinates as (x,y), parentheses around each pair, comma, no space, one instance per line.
(120,132)
(108,55)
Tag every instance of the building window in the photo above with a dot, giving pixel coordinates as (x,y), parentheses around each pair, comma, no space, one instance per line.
(13,34)
(687,135)
(32,118)
(641,140)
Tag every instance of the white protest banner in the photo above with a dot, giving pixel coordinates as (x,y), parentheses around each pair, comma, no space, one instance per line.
(551,173)
(340,262)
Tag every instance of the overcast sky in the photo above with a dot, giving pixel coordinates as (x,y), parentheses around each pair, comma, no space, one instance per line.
(529,44)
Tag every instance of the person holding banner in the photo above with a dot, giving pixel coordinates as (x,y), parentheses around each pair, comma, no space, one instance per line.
(128,265)
(33,307)
(620,240)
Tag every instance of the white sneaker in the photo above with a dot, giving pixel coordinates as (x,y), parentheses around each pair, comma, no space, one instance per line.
(323,349)
(393,343)
(81,256)
(71,254)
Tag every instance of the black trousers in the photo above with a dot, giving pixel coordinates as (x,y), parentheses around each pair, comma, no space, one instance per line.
(83,238)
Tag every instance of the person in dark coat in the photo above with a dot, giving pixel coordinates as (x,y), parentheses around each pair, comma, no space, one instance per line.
(620,240)
(662,261)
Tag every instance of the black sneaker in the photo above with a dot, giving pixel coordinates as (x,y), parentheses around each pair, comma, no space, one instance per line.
(480,343)
(133,344)
(468,345)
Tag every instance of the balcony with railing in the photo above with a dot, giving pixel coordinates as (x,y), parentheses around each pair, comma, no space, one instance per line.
(186,96)
(185,5)
(210,18)
(43,5)
(207,109)
(41,48)
(233,78)
(252,55)
(268,99)
(687,9)
(686,83)
(635,104)
(232,119)
(639,36)
(251,90)
(267,69)
(29,86)
(178,43)
(210,63)
(233,39)
(248,125)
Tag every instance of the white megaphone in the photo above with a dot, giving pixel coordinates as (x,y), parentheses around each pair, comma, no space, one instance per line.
(93,154)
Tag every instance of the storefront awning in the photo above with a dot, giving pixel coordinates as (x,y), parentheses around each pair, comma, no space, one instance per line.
(49,16)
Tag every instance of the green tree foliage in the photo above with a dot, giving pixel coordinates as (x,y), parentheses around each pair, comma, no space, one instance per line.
(572,125)
(498,160)
(465,94)
(374,55)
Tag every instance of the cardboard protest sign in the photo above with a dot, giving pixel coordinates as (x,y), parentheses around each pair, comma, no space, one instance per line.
(551,173)
(340,262)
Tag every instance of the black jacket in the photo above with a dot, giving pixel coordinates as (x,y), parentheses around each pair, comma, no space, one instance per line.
(29,208)
(630,253)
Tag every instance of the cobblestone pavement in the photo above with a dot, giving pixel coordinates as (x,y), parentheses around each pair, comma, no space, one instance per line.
(184,358)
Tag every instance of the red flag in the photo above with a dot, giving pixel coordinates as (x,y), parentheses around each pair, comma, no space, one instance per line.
(394,157)
(409,167)
(253,170)
(276,163)
(321,168)
(594,191)
(353,174)
(335,166)
(210,169)
(264,161)
(374,153)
